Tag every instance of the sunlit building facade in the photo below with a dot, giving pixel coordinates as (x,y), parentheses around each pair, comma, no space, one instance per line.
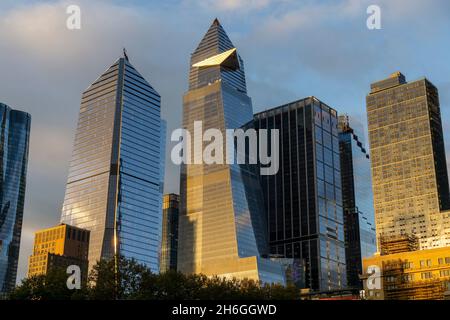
(222,225)
(415,275)
(409,171)
(59,247)
(304,199)
(169,242)
(14,145)
(114,184)
(357,198)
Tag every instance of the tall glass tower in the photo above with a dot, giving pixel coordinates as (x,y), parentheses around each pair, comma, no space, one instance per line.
(14,142)
(304,199)
(169,242)
(409,171)
(222,225)
(357,198)
(114,183)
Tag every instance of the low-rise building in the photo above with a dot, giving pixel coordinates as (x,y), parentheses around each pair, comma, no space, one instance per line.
(59,247)
(412,275)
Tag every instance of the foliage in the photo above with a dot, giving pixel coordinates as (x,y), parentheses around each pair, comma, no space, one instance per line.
(51,286)
(134,281)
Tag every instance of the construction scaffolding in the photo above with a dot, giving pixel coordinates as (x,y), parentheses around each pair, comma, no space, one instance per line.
(398,244)
(399,286)
(418,290)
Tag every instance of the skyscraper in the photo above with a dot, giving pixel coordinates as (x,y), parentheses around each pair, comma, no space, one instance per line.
(221,228)
(169,242)
(409,171)
(357,199)
(304,199)
(14,142)
(114,183)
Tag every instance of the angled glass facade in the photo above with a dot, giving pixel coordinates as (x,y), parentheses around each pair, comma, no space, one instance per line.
(114,184)
(304,199)
(222,225)
(409,171)
(357,199)
(14,144)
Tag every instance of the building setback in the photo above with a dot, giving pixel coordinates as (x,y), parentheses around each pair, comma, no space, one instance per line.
(14,144)
(114,183)
(409,171)
(304,199)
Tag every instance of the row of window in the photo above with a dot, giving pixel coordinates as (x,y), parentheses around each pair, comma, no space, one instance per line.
(428,263)
(423,276)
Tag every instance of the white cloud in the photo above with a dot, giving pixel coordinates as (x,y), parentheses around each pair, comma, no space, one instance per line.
(234,5)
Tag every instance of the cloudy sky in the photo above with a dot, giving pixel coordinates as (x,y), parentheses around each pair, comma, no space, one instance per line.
(291,49)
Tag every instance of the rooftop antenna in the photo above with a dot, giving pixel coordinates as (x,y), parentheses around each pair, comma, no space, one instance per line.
(125,54)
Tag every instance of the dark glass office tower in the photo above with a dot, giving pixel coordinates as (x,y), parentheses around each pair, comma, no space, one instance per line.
(409,171)
(304,199)
(14,142)
(169,242)
(114,183)
(357,199)
(221,226)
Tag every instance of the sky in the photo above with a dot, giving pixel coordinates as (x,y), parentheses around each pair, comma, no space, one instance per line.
(291,49)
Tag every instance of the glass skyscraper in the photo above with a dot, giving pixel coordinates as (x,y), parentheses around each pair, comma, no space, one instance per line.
(169,242)
(357,199)
(304,199)
(114,183)
(409,171)
(14,143)
(222,226)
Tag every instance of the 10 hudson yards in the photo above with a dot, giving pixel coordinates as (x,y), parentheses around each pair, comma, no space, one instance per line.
(210,188)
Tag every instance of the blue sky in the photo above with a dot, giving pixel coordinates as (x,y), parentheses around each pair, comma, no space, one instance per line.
(291,49)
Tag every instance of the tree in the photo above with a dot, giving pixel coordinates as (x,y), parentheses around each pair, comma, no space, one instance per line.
(122,278)
(50,286)
(108,283)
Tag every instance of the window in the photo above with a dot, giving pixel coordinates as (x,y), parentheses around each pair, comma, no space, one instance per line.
(318,133)
(426,275)
(408,277)
(320,188)
(319,152)
(320,170)
(444,273)
(327,140)
(390,279)
(425,263)
(408,265)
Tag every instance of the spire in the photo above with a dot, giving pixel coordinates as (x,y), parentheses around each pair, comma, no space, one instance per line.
(216,51)
(125,54)
(215,41)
